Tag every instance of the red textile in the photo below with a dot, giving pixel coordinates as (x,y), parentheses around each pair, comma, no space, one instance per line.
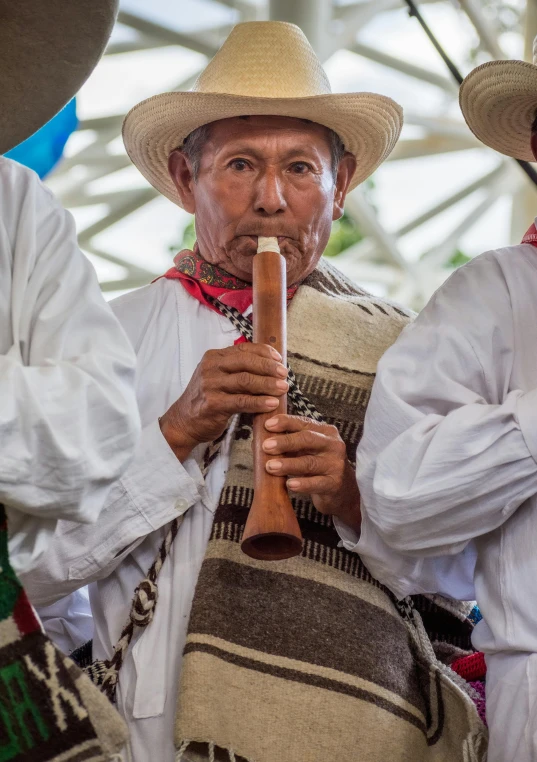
(200,278)
(24,615)
(530,236)
(471,667)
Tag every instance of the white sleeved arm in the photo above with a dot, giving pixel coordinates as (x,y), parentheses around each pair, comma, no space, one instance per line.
(68,415)
(68,622)
(155,489)
(406,574)
(448,451)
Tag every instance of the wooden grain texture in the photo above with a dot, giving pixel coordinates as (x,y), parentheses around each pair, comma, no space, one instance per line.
(271,532)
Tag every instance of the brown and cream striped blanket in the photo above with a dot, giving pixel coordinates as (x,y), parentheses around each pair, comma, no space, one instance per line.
(310,659)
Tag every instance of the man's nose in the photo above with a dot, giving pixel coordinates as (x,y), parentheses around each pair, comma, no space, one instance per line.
(269,197)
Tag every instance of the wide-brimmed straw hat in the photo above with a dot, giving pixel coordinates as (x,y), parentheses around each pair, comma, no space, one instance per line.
(499,102)
(263,68)
(48,48)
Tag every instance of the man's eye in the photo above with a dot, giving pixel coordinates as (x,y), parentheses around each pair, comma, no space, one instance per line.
(300,168)
(239,164)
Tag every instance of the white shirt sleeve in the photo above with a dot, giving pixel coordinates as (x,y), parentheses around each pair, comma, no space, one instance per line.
(154,490)
(405,574)
(448,451)
(68,623)
(68,414)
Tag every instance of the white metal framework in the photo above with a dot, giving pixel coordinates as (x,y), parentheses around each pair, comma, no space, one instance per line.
(381,258)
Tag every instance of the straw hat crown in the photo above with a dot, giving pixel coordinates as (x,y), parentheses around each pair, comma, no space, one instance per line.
(272,60)
(499,102)
(265,68)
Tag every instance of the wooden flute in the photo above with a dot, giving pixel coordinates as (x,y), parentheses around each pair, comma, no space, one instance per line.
(272,532)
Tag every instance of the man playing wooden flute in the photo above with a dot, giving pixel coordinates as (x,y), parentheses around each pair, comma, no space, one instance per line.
(447,464)
(307,659)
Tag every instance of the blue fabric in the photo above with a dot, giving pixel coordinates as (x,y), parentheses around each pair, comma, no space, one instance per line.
(43,150)
(475,615)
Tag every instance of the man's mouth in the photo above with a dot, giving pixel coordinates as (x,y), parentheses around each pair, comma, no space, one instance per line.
(281,238)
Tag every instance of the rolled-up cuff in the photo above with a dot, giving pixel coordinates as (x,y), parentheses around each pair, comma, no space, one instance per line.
(526,410)
(349,537)
(399,573)
(158,484)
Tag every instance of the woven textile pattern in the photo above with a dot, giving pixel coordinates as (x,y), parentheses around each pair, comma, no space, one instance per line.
(309,659)
(49,710)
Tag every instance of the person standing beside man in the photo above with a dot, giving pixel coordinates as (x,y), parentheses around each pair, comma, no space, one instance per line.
(69,422)
(218,655)
(68,417)
(447,465)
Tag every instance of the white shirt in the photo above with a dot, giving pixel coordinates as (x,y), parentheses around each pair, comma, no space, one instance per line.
(447,464)
(170,331)
(68,418)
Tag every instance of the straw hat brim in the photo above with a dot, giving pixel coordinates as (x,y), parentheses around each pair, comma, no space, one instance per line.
(499,102)
(368,124)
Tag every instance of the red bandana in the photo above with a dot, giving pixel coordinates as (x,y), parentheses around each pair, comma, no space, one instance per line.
(201,278)
(531,236)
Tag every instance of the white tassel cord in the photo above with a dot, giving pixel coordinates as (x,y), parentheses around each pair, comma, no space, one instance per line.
(179,756)
(181,750)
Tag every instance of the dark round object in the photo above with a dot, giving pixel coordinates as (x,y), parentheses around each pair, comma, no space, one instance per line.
(48,48)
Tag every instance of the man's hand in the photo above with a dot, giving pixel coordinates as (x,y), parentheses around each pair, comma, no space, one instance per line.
(313,455)
(244,378)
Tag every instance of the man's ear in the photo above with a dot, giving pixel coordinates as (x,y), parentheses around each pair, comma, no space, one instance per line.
(345,172)
(181,175)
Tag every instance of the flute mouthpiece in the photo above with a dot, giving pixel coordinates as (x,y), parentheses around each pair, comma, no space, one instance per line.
(267,244)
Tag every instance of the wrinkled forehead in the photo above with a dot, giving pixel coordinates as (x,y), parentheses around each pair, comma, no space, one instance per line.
(239,127)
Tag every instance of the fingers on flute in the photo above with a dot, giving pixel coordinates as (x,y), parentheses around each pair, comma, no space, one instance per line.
(312,485)
(235,383)
(297,441)
(264,350)
(237,360)
(290,423)
(245,403)
(304,465)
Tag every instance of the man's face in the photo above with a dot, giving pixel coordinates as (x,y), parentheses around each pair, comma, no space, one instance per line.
(269,176)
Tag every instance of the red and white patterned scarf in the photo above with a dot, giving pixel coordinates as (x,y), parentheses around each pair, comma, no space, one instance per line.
(201,278)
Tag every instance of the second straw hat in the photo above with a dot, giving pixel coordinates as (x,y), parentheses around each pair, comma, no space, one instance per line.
(499,102)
